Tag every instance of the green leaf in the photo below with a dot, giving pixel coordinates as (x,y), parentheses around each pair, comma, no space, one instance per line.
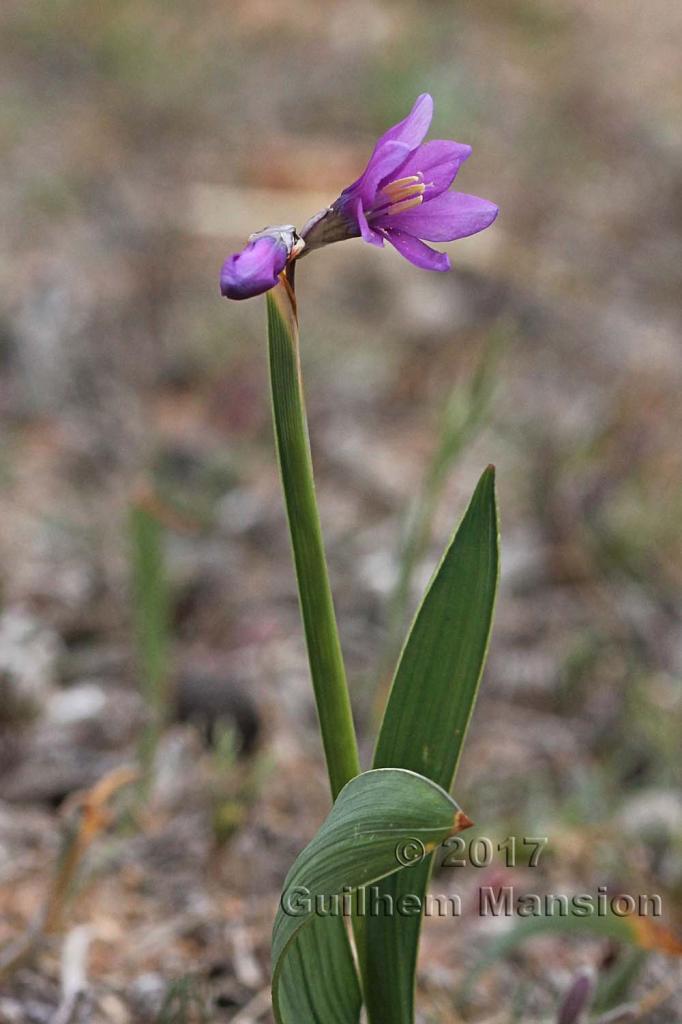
(375,818)
(425,724)
(318,980)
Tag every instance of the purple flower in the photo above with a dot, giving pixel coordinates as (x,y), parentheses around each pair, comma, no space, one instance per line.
(402,196)
(257,267)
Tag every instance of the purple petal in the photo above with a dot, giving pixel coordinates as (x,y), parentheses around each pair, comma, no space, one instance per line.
(392,150)
(416,252)
(438,161)
(412,129)
(368,233)
(382,163)
(253,270)
(450,215)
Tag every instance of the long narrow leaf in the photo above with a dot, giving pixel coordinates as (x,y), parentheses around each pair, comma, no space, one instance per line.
(373,819)
(425,724)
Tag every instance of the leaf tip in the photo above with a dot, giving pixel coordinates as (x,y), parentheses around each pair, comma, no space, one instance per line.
(461,821)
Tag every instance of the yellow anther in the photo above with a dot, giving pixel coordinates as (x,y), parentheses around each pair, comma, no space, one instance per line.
(403,188)
(405,204)
(411,190)
(399,183)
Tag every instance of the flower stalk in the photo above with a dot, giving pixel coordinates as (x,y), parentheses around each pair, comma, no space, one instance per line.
(315,596)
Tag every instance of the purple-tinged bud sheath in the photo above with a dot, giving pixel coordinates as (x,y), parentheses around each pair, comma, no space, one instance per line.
(257,267)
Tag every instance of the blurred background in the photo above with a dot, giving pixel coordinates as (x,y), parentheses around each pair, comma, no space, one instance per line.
(148,600)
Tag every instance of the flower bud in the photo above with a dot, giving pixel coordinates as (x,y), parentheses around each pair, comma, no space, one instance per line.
(257,267)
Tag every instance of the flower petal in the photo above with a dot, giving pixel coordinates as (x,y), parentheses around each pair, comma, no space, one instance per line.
(417,252)
(450,215)
(253,270)
(438,161)
(412,129)
(382,164)
(390,151)
(368,233)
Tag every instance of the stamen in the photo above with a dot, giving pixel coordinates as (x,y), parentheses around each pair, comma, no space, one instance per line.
(405,204)
(401,194)
(407,192)
(404,188)
(397,186)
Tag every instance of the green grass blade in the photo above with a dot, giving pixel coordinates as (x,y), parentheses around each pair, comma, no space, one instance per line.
(426,720)
(317,608)
(151,614)
(464,415)
(616,983)
(374,815)
(606,926)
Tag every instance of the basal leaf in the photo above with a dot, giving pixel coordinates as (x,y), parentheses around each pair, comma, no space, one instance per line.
(426,719)
(375,818)
(318,980)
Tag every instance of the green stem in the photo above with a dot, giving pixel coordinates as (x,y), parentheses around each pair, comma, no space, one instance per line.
(317,608)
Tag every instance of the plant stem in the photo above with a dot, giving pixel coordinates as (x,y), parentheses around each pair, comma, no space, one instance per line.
(317,607)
